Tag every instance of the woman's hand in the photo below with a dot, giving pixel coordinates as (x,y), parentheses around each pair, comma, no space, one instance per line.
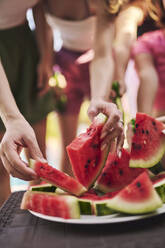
(19,134)
(113,127)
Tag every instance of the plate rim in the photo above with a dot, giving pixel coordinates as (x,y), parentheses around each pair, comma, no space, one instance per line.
(107,219)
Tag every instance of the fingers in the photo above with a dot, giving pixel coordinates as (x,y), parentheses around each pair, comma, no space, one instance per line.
(118,132)
(120,143)
(16,167)
(92,112)
(114,115)
(33,147)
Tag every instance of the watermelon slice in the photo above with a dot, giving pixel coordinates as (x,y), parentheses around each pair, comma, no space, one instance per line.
(117,173)
(159,184)
(57,178)
(98,202)
(50,204)
(139,197)
(148,142)
(85,154)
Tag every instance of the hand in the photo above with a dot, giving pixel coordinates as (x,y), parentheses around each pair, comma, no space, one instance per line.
(19,134)
(44,71)
(113,127)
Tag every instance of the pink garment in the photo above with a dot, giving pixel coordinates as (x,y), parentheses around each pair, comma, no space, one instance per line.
(154,43)
(76,74)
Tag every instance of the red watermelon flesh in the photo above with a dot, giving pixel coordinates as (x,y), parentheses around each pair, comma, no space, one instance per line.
(85,154)
(117,173)
(57,178)
(158,179)
(139,197)
(96,197)
(50,204)
(148,142)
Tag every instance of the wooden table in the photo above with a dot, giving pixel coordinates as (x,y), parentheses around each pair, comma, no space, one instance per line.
(20,229)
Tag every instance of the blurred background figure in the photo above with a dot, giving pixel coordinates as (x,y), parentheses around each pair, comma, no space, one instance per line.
(149,53)
(26,60)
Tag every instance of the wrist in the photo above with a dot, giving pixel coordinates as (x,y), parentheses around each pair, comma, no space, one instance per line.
(10,118)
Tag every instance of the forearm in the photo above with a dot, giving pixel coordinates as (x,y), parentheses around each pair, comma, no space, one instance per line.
(101,71)
(44,34)
(147,90)
(8,107)
(126,34)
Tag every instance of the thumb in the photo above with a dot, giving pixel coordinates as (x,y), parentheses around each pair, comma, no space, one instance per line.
(92,112)
(34,150)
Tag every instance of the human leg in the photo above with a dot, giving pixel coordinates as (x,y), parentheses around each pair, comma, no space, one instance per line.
(68,127)
(5,190)
(40,132)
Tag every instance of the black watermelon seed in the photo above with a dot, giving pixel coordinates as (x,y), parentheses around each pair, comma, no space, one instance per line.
(86,166)
(136,125)
(121,172)
(115,162)
(147,132)
(41,167)
(142,130)
(95,146)
(104,174)
(138,184)
(88,161)
(153,123)
(136,146)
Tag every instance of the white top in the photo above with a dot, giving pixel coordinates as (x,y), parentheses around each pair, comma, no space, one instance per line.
(13,12)
(76,35)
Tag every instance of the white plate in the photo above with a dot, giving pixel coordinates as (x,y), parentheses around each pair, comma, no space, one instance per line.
(90,219)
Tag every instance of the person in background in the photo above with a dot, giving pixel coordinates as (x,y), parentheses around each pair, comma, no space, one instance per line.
(149,53)
(25,63)
(86,25)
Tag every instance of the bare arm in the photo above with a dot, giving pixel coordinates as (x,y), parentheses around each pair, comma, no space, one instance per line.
(101,77)
(125,34)
(148,82)
(18,134)
(44,37)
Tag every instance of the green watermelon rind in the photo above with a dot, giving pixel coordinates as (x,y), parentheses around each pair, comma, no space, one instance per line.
(71,201)
(80,192)
(85,206)
(161,192)
(159,183)
(43,188)
(103,188)
(74,207)
(141,163)
(101,208)
(150,205)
